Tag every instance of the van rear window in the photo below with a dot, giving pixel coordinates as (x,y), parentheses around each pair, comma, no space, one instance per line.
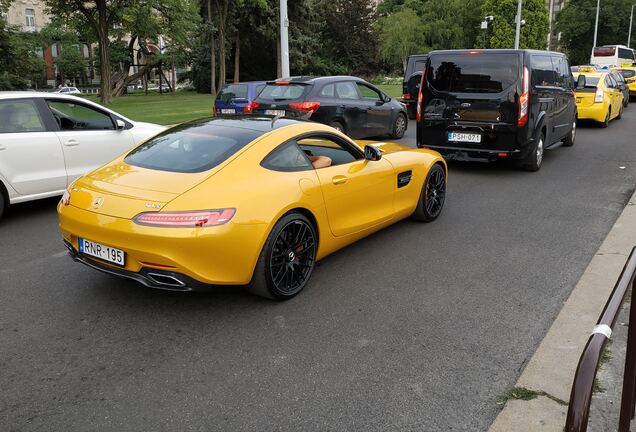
(473,73)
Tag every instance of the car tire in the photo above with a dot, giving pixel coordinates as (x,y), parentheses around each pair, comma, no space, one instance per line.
(620,113)
(399,126)
(533,161)
(625,101)
(283,269)
(3,204)
(339,126)
(605,123)
(432,195)
(568,141)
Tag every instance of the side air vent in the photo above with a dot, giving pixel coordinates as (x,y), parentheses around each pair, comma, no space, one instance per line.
(404,178)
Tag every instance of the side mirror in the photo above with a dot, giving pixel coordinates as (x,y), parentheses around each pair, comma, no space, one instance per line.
(120,124)
(372,153)
(580,82)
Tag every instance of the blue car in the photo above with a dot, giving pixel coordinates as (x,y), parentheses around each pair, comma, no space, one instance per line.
(236,98)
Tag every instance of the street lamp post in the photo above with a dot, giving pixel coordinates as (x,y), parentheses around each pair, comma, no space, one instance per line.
(518,29)
(629,34)
(598,7)
(284,39)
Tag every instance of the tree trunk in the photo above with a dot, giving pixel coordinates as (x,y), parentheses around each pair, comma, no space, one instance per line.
(237,57)
(104,53)
(222,13)
(212,53)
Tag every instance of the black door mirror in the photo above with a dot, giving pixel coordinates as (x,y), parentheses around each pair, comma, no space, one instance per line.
(372,153)
(580,82)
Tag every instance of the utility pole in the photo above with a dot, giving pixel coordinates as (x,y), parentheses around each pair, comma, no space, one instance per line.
(629,35)
(284,39)
(550,13)
(598,7)
(518,19)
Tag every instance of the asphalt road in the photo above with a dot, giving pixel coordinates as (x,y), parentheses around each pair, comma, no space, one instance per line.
(417,328)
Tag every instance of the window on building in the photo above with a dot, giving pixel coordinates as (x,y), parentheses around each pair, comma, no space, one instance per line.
(54,49)
(30,17)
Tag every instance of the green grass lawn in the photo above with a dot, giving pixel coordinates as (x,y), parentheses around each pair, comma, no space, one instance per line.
(167,109)
(164,108)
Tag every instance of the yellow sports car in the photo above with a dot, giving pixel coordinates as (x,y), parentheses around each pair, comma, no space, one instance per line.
(597,97)
(629,73)
(253,201)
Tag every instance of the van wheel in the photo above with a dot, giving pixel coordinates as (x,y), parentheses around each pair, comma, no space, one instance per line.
(568,141)
(399,126)
(533,161)
(287,259)
(605,122)
(432,196)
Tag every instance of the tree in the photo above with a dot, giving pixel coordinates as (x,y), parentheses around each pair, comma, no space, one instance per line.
(20,62)
(140,21)
(576,24)
(71,63)
(502,30)
(401,36)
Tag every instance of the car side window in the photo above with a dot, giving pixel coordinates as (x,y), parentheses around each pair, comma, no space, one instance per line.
(20,116)
(74,116)
(563,72)
(287,157)
(609,81)
(368,93)
(329,147)
(328,91)
(347,90)
(543,71)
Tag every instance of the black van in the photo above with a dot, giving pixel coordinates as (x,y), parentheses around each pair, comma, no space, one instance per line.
(494,104)
(411,83)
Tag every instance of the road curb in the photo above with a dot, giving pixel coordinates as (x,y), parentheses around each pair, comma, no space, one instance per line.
(551,369)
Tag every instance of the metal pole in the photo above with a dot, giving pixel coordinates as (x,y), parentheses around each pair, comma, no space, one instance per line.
(598,7)
(518,31)
(550,13)
(284,39)
(629,376)
(629,34)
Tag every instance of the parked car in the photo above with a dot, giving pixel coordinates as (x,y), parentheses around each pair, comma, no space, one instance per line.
(346,103)
(629,74)
(237,98)
(621,84)
(492,104)
(598,97)
(411,84)
(47,140)
(68,90)
(243,201)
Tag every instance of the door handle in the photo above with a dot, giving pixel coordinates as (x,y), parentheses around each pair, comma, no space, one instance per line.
(339,179)
(71,143)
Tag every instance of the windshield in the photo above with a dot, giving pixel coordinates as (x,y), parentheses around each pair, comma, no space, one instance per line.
(192,147)
(282,92)
(233,91)
(473,73)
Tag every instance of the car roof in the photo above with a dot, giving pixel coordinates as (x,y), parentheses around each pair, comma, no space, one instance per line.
(492,50)
(259,123)
(315,80)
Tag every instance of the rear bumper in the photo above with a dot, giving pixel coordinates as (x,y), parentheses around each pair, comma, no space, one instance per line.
(464,153)
(596,112)
(221,255)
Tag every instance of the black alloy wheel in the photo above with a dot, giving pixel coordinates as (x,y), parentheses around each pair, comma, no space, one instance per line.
(433,195)
(287,259)
(399,126)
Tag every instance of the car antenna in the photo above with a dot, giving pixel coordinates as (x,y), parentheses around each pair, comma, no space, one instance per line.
(274,120)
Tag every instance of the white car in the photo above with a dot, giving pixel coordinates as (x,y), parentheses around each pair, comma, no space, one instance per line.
(47,140)
(68,90)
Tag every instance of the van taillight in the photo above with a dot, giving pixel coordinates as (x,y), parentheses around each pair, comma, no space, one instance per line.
(524,98)
(420,98)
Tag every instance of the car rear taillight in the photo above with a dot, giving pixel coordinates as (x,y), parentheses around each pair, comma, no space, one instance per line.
(524,98)
(66,198)
(305,106)
(598,97)
(420,98)
(251,107)
(192,219)
(281,82)
(406,96)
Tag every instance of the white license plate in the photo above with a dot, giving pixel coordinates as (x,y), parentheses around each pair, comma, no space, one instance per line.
(464,137)
(106,253)
(228,111)
(277,113)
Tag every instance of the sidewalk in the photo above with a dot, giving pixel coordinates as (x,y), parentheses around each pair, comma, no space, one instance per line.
(551,369)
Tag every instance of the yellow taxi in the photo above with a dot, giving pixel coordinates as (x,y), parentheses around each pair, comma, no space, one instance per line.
(629,73)
(598,97)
